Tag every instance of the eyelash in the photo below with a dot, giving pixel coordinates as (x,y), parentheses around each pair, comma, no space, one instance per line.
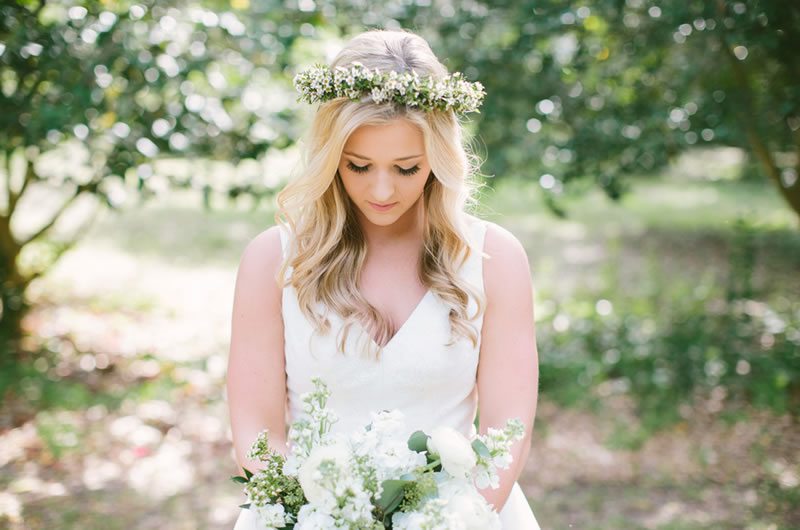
(364,169)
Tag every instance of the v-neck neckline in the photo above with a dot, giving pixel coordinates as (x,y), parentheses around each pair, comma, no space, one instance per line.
(400,330)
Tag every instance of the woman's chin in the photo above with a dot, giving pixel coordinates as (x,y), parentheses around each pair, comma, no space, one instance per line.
(383,218)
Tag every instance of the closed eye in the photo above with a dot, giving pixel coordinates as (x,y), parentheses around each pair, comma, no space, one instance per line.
(364,169)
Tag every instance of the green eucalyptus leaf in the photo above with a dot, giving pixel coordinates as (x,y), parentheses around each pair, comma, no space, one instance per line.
(418,442)
(393,491)
(481,448)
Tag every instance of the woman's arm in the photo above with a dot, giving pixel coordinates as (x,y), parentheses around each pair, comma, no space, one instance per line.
(256,378)
(508,371)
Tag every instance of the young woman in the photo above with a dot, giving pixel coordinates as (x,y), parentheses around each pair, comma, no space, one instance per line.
(376,278)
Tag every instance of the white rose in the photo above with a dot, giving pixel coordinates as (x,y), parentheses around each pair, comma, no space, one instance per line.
(468,505)
(309,475)
(475,512)
(458,457)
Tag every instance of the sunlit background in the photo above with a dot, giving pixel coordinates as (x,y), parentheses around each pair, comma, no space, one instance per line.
(646,154)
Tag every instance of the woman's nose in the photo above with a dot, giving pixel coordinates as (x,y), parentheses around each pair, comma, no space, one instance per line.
(383,189)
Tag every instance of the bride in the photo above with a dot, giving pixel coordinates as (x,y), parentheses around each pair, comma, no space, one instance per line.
(376,278)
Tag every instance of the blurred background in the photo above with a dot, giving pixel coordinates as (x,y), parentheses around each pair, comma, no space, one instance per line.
(646,153)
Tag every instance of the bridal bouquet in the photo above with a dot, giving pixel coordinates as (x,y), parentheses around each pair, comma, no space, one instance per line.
(373,479)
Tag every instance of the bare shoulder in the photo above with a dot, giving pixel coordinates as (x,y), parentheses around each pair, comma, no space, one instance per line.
(503,248)
(261,259)
(506,265)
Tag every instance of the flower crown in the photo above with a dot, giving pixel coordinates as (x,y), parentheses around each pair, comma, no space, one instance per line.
(321,83)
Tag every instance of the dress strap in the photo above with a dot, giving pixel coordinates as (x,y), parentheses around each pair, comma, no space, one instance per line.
(284,239)
(473,267)
(285,246)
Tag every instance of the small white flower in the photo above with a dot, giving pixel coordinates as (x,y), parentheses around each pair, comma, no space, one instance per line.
(272,515)
(321,83)
(311,518)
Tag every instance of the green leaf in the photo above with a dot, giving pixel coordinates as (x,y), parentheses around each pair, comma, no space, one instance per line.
(418,442)
(239,480)
(481,448)
(245,505)
(393,491)
(247,473)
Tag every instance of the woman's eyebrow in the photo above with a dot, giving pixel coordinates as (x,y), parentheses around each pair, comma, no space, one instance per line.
(365,158)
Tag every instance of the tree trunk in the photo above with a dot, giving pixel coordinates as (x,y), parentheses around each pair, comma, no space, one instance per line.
(746,111)
(13,310)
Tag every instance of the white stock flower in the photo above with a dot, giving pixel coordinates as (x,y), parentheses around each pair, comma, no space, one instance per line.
(458,457)
(271,515)
(486,477)
(311,518)
(388,422)
(385,446)
(395,459)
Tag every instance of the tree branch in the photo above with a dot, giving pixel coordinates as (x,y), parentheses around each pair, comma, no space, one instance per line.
(13,197)
(39,9)
(8,152)
(67,244)
(748,116)
(26,100)
(80,189)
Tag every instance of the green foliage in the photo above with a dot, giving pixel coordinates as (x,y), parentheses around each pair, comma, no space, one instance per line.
(271,486)
(579,91)
(481,449)
(418,441)
(392,495)
(59,432)
(133,82)
(416,492)
(681,344)
(603,91)
(43,389)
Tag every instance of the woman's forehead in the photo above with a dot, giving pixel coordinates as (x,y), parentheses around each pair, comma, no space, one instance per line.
(391,141)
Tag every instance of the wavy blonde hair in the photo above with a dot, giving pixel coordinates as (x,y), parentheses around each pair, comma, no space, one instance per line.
(328,248)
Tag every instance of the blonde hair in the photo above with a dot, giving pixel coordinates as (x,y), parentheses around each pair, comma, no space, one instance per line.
(328,247)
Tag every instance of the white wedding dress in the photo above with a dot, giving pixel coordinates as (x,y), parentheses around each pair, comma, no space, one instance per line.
(431,383)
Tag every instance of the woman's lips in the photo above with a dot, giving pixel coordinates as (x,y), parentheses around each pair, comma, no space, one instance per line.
(384,208)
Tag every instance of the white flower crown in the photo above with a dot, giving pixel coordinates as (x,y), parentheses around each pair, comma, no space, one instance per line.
(321,83)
